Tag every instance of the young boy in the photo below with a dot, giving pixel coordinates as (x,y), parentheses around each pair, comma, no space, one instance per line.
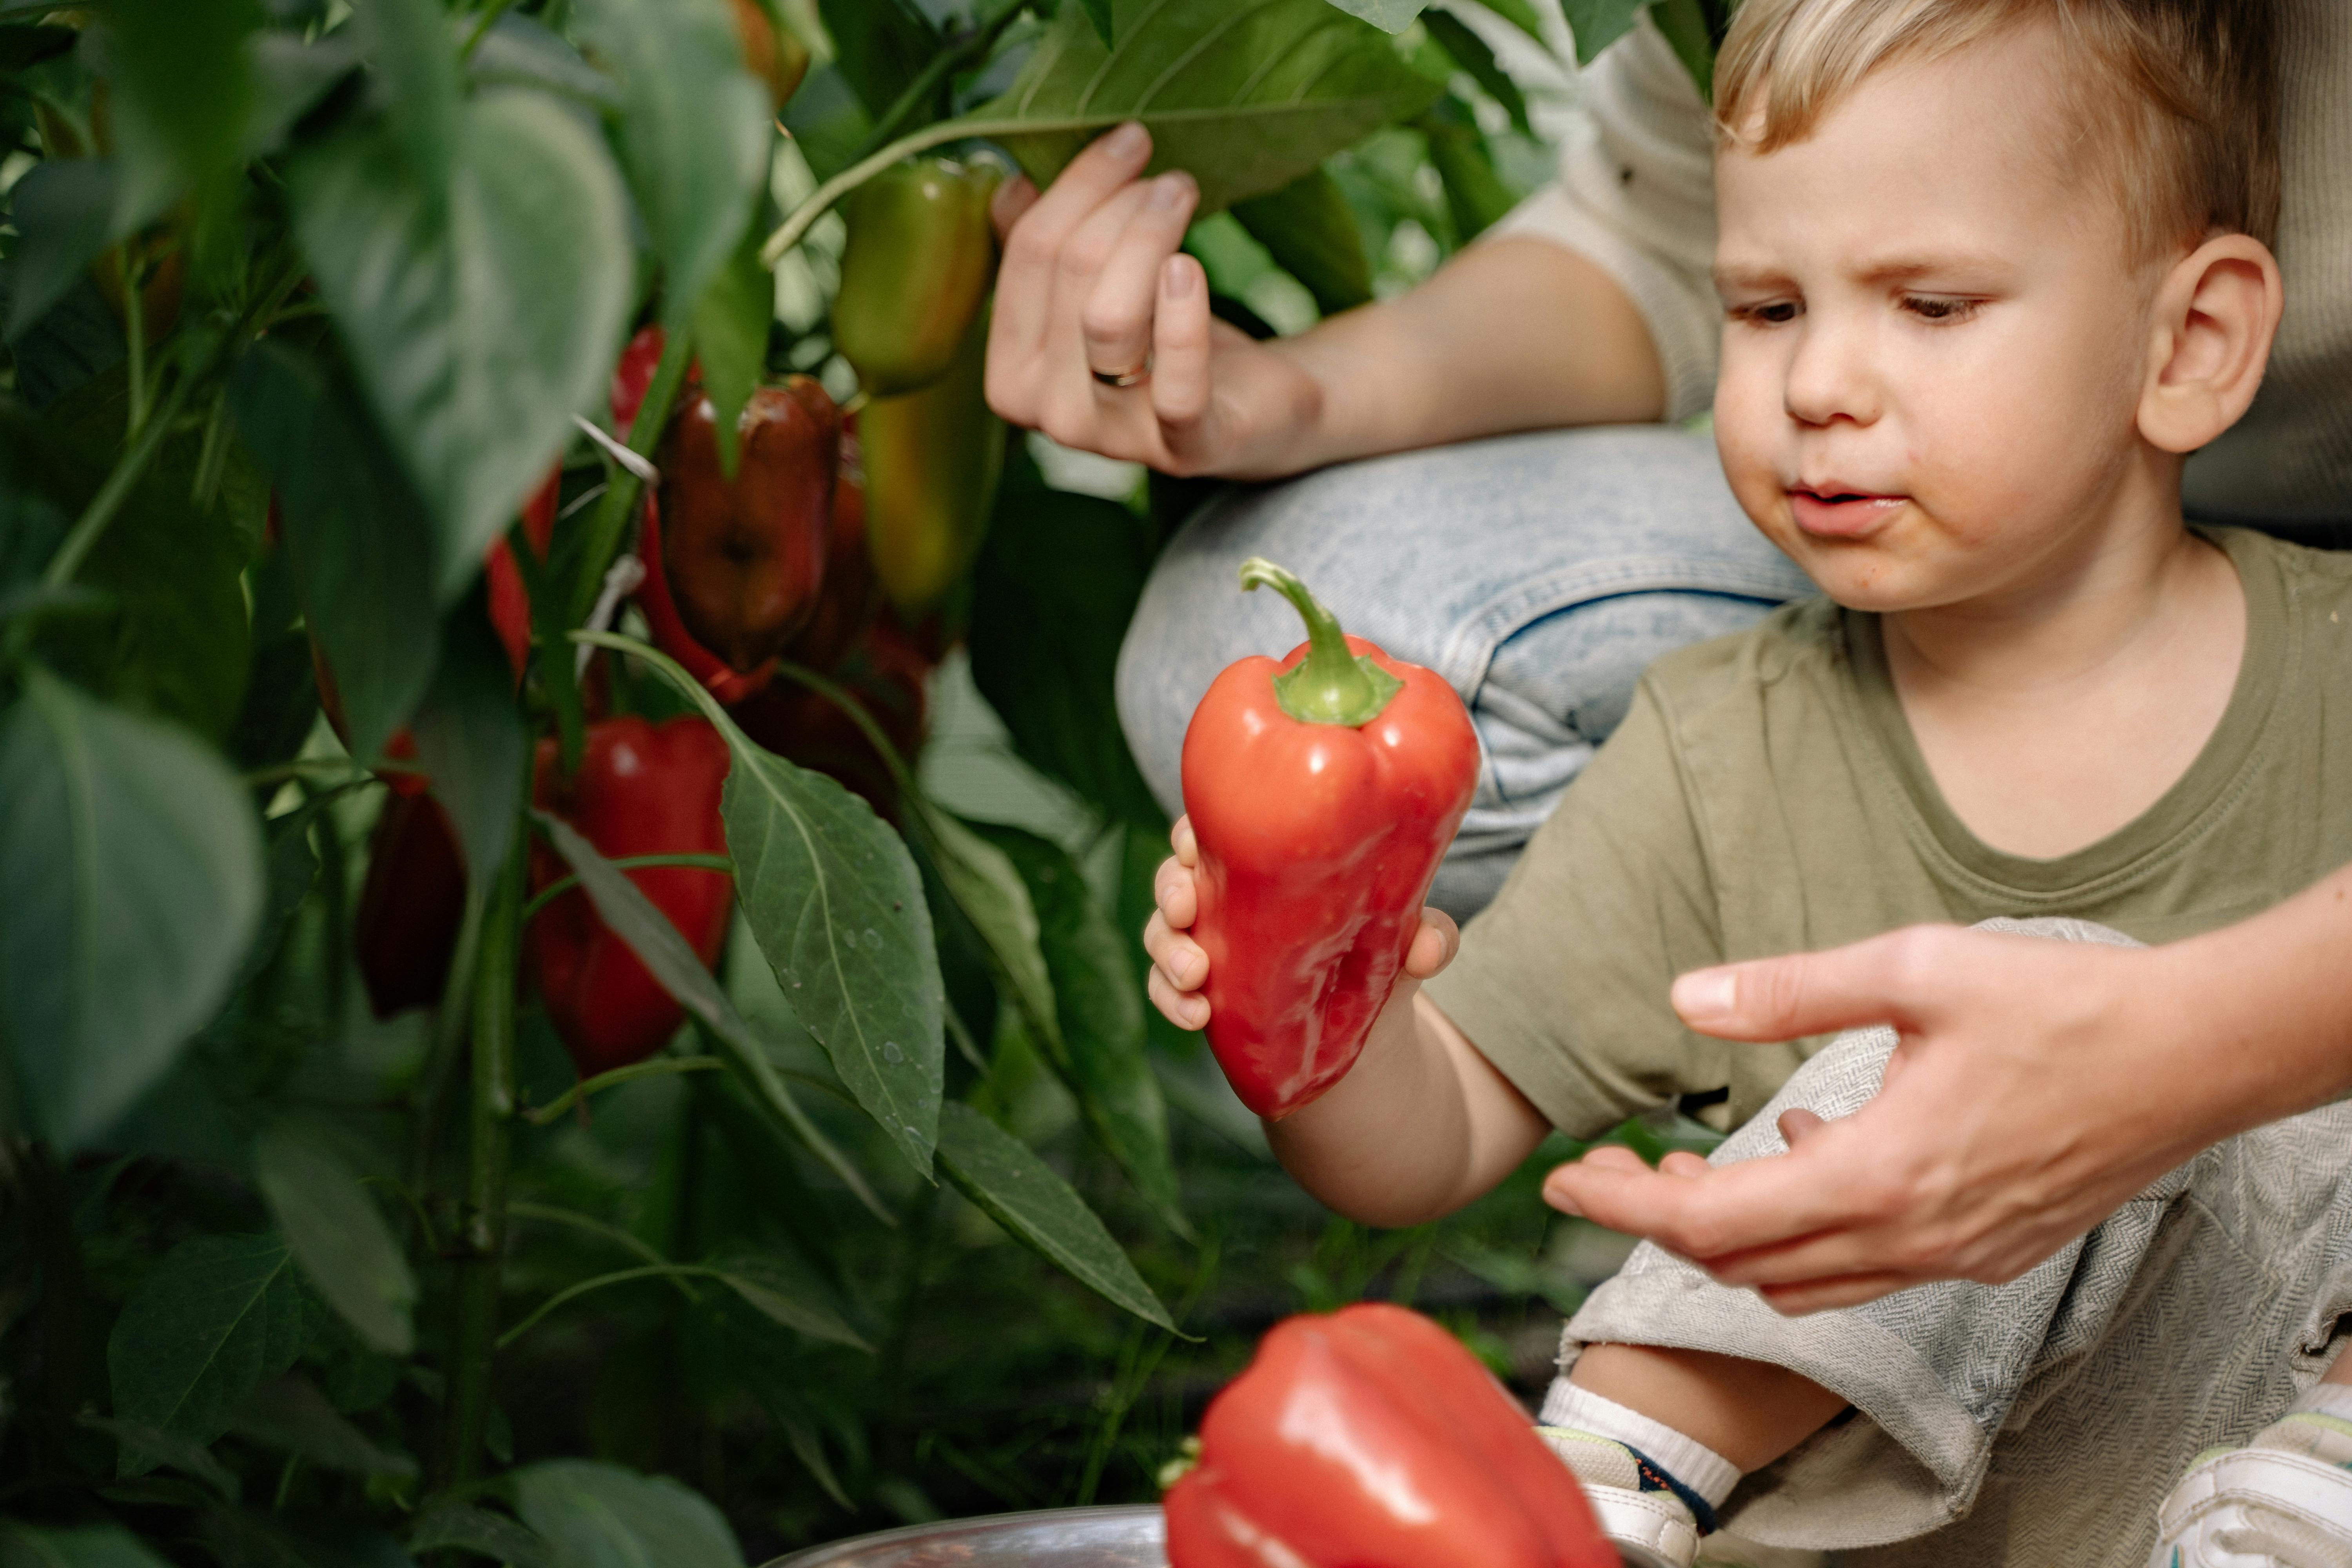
(1991,269)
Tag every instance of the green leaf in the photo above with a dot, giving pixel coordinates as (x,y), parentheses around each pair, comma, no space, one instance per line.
(883,45)
(1597,24)
(181,98)
(82,1546)
(1056,584)
(360,542)
(730,339)
(983,883)
(1246,94)
(518,51)
(291,1414)
(836,906)
(621,905)
(480,312)
(1098,13)
(602,1516)
(64,212)
(1100,1009)
(1694,28)
(132,865)
(454,1525)
(337,1233)
(1471,53)
(694,135)
(216,1318)
(470,741)
(1310,231)
(1521,14)
(1389,15)
(142,1447)
(409,49)
(292,867)
(782,1296)
(1475,197)
(1013,1187)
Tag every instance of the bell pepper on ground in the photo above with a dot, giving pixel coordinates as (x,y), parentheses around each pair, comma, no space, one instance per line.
(914,271)
(1323,791)
(932,459)
(411,904)
(640,789)
(1370,1438)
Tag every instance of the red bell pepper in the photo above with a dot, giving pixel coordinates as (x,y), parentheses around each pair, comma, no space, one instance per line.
(632,375)
(886,670)
(640,789)
(411,904)
(1370,1438)
(510,600)
(1323,791)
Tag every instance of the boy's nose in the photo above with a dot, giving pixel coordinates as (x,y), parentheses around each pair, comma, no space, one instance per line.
(1830,378)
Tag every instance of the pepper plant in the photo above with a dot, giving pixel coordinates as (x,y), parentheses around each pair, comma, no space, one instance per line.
(433,1108)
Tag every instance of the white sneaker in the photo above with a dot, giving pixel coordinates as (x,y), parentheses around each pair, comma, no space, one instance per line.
(2283,1502)
(1637,1512)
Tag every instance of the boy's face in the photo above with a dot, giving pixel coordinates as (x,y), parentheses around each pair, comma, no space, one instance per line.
(1935,334)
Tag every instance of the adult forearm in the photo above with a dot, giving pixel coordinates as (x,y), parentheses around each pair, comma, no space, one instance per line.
(1517,334)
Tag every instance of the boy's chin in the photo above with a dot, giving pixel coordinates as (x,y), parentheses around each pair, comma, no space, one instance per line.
(1861,578)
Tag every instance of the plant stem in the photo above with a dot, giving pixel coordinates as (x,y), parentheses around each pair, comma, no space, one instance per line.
(481,1237)
(658,1066)
(621,1277)
(975,44)
(563,885)
(556,674)
(619,507)
(134,335)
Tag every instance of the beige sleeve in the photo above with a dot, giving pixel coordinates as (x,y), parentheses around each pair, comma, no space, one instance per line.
(1561,983)
(1635,196)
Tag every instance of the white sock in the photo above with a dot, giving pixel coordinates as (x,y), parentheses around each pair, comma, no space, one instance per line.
(1688,1459)
(2327,1399)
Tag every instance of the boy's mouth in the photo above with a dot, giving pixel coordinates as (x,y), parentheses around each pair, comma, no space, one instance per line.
(1835,511)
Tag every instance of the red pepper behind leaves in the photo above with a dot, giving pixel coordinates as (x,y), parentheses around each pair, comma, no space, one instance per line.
(641,789)
(744,558)
(886,671)
(409,905)
(510,600)
(851,594)
(1370,1438)
(632,375)
(668,629)
(1323,791)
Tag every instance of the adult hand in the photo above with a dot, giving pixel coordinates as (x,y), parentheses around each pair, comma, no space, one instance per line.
(1093,287)
(2037,1085)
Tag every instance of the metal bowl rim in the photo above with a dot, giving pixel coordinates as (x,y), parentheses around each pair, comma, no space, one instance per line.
(816,1556)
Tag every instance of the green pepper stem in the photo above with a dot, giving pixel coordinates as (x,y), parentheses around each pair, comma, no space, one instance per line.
(1333,685)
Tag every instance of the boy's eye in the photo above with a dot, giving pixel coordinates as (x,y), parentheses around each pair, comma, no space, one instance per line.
(1939,307)
(1771,313)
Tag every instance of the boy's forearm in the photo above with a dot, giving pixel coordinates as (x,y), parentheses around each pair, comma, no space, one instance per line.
(1517,334)
(1419,1126)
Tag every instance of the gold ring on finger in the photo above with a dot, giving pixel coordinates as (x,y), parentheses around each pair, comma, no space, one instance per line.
(1122,379)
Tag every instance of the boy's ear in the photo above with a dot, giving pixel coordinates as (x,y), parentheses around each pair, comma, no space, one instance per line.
(2216,314)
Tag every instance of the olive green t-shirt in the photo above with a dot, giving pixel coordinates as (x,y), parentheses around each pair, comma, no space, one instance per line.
(1764,796)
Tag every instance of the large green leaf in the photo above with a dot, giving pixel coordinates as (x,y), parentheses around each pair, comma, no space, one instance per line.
(132,865)
(1100,1009)
(290,1413)
(836,906)
(1056,584)
(182,98)
(1013,1187)
(883,45)
(478,1530)
(1248,95)
(470,741)
(337,1233)
(359,541)
(694,132)
(64,212)
(1472,53)
(1389,15)
(602,1516)
(623,906)
(78,1546)
(1597,24)
(481,311)
(216,1318)
(730,340)
(983,882)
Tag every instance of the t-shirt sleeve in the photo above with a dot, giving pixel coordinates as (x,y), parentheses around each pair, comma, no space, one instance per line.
(1561,983)
(1635,196)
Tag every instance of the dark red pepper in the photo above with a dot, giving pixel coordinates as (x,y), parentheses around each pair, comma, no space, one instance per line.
(1323,791)
(510,600)
(641,789)
(411,904)
(1370,1438)
(886,671)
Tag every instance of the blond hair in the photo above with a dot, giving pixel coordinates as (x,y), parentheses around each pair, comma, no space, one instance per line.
(2177,98)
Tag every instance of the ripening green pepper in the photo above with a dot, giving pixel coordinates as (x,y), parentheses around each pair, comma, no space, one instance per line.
(914,270)
(932,460)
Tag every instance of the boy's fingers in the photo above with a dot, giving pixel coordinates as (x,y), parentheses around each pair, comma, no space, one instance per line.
(1434,945)
(1798,1125)
(1683,1163)
(1172,891)
(1176,957)
(1181,839)
(1185,1009)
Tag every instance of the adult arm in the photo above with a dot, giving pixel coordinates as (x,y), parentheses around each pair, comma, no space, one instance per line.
(1590,304)
(2038,1084)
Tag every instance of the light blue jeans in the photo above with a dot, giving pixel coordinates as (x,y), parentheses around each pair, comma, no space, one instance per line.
(1539,574)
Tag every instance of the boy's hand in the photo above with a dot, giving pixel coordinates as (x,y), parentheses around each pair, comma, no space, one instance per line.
(1179,967)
